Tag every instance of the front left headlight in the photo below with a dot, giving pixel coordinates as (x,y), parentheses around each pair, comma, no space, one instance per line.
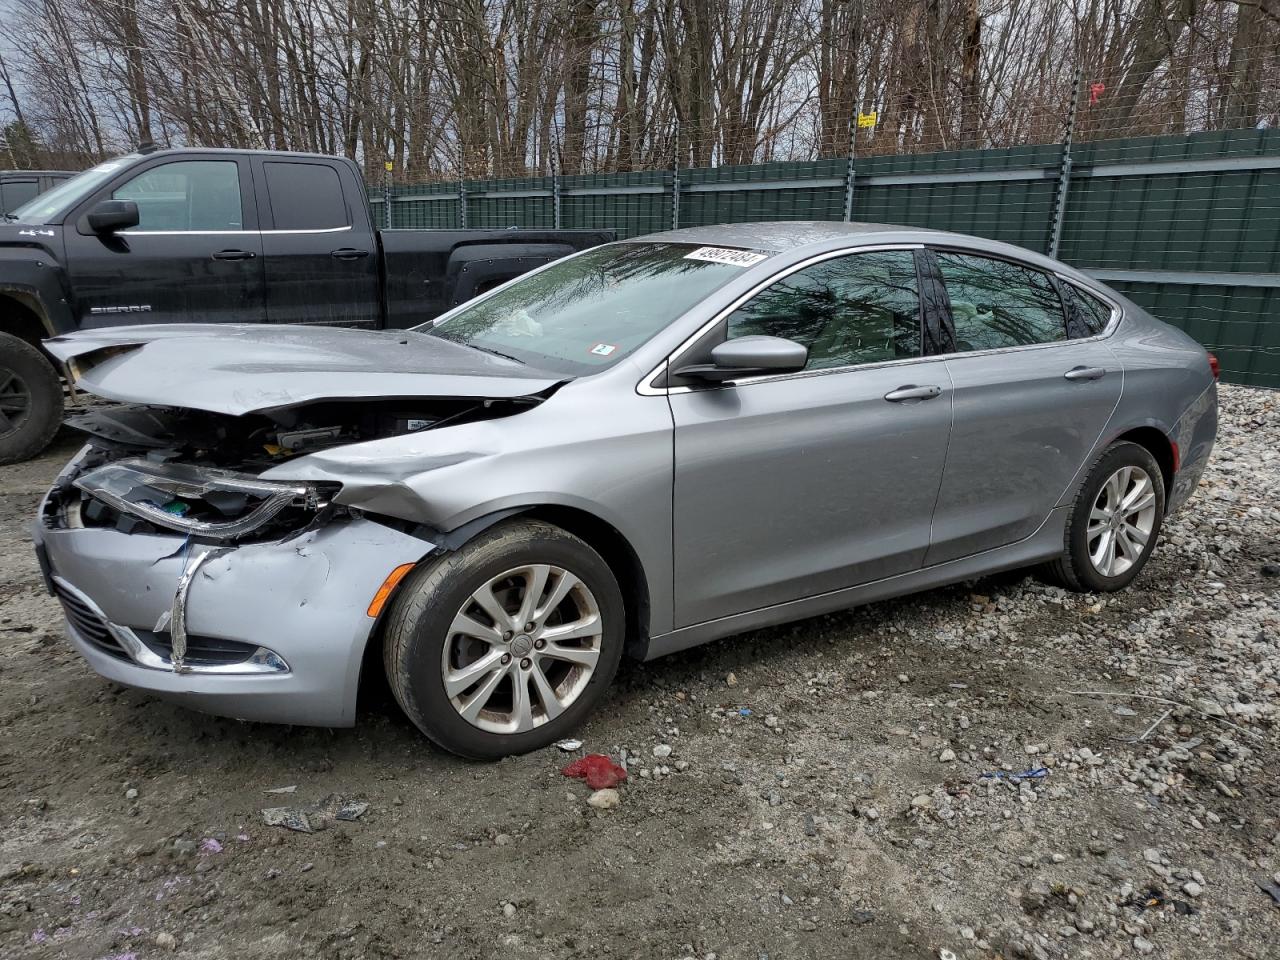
(199,501)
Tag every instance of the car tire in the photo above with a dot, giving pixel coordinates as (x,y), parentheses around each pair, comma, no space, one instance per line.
(30,400)
(438,674)
(1104,554)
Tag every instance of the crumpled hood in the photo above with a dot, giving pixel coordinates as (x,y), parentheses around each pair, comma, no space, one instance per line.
(248,368)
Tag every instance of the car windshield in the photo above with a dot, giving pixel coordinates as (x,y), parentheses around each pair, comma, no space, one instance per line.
(589,311)
(53,204)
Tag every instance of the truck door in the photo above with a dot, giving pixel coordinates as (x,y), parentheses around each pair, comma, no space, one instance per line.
(321,254)
(195,255)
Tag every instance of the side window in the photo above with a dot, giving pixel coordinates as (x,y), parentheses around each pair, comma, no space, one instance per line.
(305,196)
(995,303)
(863,308)
(14,193)
(197,195)
(1090,314)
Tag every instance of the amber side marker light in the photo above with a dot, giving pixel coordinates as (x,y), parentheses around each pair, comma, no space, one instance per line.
(1214,366)
(388,585)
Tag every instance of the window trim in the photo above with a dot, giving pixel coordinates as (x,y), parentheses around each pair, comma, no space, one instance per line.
(1113,324)
(226,233)
(647,388)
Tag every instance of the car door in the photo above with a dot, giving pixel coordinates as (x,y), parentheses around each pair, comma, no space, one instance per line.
(793,485)
(1030,402)
(322,264)
(195,255)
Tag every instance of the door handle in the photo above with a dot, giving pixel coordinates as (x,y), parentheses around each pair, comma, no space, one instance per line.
(912,392)
(234,255)
(348,253)
(1086,373)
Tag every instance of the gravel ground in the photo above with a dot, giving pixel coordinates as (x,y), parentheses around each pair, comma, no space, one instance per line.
(841,787)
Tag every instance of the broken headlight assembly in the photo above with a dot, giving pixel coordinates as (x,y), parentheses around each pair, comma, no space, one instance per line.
(199,501)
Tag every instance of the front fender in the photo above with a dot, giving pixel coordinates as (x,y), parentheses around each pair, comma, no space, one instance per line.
(32,276)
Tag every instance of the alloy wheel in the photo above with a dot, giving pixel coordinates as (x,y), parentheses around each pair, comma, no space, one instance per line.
(1121,520)
(15,401)
(522,648)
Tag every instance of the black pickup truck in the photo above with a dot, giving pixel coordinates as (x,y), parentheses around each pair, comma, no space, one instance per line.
(241,236)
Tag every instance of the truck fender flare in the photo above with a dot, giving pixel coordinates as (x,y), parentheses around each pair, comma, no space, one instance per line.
(30,299)
(37,282)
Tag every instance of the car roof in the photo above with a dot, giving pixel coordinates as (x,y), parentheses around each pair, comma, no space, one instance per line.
(779,236)
(799,237)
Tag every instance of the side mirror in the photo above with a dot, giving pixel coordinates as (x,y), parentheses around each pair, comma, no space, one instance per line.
(112,215)
(749,356)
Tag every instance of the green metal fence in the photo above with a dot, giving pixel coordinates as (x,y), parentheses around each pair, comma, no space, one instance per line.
(1186,226)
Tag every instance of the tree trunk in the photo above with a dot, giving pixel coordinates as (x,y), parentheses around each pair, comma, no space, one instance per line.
(970,91)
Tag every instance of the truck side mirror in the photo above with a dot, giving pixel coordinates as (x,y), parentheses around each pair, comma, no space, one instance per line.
(109,216)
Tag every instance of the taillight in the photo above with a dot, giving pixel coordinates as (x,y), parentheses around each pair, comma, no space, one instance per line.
(1214,368)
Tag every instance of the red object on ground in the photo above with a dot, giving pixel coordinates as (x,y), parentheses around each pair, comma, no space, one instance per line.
(597,769)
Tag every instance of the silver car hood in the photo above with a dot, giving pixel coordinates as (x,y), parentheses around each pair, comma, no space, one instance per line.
(248,368)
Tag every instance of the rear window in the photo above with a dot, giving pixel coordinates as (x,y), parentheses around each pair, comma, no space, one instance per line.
(305,196)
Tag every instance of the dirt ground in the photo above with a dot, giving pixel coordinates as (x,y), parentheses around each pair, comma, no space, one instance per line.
(824,795)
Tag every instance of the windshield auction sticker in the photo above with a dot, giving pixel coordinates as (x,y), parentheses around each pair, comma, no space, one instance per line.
(734,258)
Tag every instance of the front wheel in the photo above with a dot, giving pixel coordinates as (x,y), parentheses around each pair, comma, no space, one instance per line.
(507,644)
(1114,521)
(30,400)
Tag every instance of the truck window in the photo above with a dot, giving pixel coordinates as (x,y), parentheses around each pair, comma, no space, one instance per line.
(14,193)
(305,196)
(200,196)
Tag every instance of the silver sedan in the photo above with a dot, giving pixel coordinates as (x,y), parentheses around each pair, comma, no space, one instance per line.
(636,449)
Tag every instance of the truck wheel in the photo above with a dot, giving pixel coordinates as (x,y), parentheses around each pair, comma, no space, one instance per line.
(30,400)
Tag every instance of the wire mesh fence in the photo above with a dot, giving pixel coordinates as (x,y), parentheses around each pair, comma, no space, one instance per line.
(1164,183)
(1186,225)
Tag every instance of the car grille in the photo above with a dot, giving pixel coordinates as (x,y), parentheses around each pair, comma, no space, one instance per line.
(87,624)
(201,651)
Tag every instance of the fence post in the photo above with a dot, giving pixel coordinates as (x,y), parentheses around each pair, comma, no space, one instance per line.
(555,193)
(462,199)
(849,171)
(675,185)
(386,197)
(1064,171)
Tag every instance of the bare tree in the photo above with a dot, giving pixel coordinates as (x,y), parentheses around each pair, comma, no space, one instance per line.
(480,88)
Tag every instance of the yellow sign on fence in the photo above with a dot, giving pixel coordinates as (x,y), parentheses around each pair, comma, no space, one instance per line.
(868,119)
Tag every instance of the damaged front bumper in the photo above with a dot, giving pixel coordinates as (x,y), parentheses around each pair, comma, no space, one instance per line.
(272,631)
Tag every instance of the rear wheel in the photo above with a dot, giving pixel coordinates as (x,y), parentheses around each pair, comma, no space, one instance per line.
(30,400)
(507,644)
(1114,521)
